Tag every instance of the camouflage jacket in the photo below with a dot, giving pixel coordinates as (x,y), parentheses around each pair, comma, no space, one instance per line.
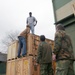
(44,53)
(63,46)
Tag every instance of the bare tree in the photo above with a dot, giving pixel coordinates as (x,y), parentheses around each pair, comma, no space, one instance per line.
(10,37)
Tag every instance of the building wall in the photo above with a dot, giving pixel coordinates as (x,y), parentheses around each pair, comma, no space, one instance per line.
(2,68)
(59,3)
(3,58)
(63,9)
(71,30)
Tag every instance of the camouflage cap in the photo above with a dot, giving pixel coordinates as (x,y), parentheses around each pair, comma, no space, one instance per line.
(60,27)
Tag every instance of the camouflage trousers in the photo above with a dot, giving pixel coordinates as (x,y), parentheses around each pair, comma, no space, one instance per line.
(46,69)
(64,67)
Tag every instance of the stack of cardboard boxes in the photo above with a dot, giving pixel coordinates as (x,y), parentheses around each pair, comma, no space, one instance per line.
(24,65)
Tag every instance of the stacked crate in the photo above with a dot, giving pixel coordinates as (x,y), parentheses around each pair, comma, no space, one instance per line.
(24,65)
(12,50)
(33,42)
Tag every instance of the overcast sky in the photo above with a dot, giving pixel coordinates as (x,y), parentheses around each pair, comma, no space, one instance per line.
(13,14)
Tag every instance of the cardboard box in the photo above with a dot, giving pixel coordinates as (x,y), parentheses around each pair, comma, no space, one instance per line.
(11,67)
(19,67)
(30,45)
(29,66)
(23,66)
(8,68)
(33,43)
(14,49)
(9,52)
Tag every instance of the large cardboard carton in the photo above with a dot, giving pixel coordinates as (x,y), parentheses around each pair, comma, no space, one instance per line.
(12,50)
(19,66)
(23,66)
(9,52)
(11,67)
(8,68)
(33,43)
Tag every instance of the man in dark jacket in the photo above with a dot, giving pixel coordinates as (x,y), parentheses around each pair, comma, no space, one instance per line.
(63,52)
(44,57)
(22,41)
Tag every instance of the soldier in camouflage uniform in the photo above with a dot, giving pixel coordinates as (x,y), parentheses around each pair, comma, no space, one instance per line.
(44,57)
(63,52)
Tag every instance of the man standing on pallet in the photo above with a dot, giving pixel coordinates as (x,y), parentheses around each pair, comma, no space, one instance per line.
(31,21)
(63,52)
(44,57)
(22,41)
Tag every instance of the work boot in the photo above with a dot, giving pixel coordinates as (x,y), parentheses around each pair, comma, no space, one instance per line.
(19,56)
(23,55)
